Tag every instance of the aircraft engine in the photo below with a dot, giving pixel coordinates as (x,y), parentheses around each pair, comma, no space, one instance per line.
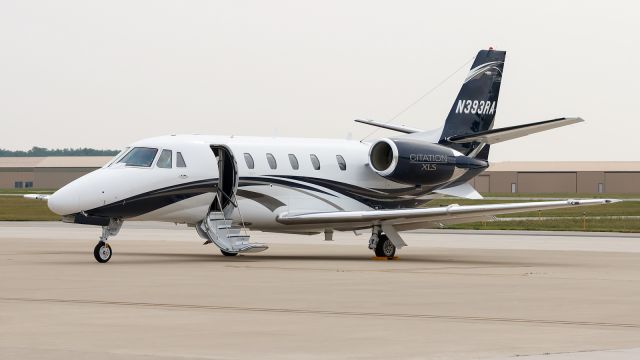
(417,162)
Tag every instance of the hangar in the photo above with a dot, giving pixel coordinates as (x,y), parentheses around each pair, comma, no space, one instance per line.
(45,172)
(581,177)
(620,177)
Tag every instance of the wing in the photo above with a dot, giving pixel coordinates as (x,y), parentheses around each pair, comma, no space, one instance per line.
(408,219)
(37,197)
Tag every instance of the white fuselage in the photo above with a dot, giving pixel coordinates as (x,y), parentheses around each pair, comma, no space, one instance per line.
(185,194)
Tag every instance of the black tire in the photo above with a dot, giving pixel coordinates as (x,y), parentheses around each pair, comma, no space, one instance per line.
(102,252)
(384,247)
(226,253)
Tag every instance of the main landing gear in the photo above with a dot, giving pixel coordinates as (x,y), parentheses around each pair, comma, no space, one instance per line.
(102,252)
(385,240)
(382,245)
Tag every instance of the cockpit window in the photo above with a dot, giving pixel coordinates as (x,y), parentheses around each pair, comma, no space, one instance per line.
(180,160)
(139,156)
(117,157)
(165,159)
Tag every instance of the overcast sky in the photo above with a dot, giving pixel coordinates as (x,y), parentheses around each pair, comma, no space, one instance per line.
(106,73)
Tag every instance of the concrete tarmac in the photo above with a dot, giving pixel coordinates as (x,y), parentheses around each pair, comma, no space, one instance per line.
(450,295)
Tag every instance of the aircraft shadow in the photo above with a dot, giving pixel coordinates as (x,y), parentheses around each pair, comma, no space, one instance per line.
(129,257)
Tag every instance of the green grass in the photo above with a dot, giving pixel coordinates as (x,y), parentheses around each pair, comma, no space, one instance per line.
(558,224)
(16,208)
(568,219)
(624,208)
(564,196)
(26,191)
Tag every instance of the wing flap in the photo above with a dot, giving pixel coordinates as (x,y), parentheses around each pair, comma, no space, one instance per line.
(407,216)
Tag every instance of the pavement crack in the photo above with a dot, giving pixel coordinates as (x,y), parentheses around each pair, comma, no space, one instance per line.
(325,312)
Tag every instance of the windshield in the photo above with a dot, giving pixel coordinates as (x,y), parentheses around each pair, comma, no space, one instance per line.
(117,157)
(139,157)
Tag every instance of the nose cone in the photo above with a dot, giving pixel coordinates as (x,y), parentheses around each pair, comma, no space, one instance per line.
(64,202)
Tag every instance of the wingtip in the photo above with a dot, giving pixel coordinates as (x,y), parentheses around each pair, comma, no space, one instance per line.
(592,201)
(612,201)
(36,197)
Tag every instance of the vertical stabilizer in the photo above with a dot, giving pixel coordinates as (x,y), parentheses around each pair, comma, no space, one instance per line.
(475,107)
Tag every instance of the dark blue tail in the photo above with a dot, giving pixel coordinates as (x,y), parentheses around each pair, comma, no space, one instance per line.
(476,104)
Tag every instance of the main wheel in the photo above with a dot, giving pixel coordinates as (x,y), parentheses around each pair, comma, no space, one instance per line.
(384,247)
(102,252)
(226,253)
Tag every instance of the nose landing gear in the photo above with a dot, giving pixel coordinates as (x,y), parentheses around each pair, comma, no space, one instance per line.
(102,252)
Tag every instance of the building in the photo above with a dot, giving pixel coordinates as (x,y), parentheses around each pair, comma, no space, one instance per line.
(501,177)
(46,172)
(582,177)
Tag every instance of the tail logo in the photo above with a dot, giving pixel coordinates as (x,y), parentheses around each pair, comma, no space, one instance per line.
(476,107)
(491,68)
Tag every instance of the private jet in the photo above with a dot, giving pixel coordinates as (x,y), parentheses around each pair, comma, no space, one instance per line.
(223,186)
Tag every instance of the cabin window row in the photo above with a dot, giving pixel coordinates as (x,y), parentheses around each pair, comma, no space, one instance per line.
(293,161)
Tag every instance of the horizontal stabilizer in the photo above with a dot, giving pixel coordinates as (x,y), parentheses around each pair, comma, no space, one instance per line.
(512,132)
(399,128)
(465,191)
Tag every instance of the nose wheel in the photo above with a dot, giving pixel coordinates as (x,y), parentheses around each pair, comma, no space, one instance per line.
(102,252)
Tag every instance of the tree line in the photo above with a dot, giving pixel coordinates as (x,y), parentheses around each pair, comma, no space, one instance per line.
(40,151)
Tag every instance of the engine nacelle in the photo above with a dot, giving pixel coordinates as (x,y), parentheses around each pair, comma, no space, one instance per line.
(416,162)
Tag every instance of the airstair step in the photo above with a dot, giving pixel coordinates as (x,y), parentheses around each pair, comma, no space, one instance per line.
(252,248)
(216,216)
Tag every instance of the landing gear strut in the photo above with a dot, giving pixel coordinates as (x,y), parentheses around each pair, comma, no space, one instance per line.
(102,252)
(381,244)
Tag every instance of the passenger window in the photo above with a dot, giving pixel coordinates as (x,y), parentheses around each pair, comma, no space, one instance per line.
(180,160)
(249,160)
(140,156)
(341,163)
(294,162)
(272,161)
(165,159)
(315,162)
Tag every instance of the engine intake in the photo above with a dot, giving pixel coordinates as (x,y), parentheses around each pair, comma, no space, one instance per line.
(384,157)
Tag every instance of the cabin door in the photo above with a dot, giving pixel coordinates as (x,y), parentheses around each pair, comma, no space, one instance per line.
(227,180)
